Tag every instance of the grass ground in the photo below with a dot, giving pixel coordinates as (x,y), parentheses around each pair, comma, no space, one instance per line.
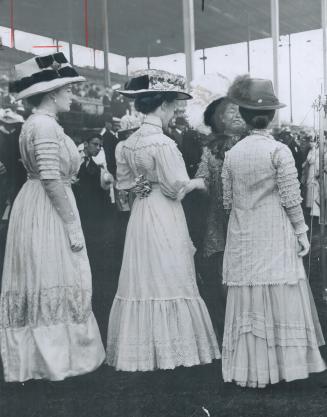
(178,393)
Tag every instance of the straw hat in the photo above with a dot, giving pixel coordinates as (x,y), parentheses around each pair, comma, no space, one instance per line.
(42,74)
(155,81)
(254,93)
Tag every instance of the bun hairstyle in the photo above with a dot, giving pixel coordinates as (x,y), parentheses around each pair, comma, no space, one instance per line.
(149,102)
(257,119)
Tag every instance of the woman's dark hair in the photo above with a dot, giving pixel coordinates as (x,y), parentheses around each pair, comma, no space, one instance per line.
(35,101)
(208,115)
(257,119)
(147,103)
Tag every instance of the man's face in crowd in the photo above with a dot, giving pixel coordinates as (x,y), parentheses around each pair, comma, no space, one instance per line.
(93,147)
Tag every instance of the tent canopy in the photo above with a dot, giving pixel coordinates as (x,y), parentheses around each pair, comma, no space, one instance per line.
(155,27)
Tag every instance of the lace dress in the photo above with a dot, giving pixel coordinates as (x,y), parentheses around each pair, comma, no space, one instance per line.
(272,331)
(47,326)
(158,319)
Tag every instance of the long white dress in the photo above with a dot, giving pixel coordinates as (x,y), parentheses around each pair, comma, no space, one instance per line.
(272,331)
(158,319)
(47,326)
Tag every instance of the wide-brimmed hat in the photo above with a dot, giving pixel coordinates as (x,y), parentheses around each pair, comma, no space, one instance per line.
(205,90)
(7,116)
(155,81)
(42,74)
(254,93)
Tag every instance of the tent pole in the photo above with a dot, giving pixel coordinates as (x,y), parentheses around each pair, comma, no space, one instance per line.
(189,39)
(106,43)
(322,178)
(274,16)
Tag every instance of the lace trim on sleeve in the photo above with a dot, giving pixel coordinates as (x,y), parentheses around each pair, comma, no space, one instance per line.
(286,177)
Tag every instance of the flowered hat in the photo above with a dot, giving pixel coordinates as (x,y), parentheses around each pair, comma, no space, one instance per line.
(42,74)
(254,93)
(155,81)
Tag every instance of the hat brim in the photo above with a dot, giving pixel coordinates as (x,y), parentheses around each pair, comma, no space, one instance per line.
(181,95)
(10,121)
(46,86)
(258,106)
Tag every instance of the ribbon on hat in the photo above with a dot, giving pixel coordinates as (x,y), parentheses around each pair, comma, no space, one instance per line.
(38,77)
(49,60)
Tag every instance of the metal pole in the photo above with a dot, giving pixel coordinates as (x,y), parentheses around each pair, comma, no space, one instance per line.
(204,58)
(290,71)
(189,39)
(127,65)
(274,6)
(70,44)
(322,149)
(248,45)
(106,43)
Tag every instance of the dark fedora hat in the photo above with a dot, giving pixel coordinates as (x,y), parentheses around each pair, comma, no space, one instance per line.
(254,93)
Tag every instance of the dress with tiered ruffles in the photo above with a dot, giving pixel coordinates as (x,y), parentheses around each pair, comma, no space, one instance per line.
(272,331)
(158,319)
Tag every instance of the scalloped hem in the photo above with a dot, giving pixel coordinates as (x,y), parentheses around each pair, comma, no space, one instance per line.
(160,334)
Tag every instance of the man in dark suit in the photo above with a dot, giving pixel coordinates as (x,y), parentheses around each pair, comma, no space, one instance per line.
(98,223)
(110,139)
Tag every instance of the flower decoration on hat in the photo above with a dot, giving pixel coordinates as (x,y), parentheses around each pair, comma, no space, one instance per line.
(205,90)
(155,81)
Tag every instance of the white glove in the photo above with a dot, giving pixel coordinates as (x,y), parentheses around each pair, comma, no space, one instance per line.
(76,237)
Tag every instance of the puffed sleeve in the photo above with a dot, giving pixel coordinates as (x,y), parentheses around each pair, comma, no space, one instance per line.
(171,170)
(289,187)
(226,177)
(124,175)
(47,151)
(203,168)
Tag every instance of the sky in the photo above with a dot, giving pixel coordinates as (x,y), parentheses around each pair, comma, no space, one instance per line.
(230,60)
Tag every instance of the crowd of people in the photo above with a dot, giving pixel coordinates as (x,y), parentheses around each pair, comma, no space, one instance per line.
(203,216)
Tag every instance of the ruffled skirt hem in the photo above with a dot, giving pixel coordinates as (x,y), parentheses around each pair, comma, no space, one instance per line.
(272,333)
(160,334)
(52,352)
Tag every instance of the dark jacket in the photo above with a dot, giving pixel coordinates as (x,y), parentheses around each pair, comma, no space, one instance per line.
(109,146)
(92,201)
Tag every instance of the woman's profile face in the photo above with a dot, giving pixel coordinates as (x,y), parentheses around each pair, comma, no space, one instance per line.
(64,98)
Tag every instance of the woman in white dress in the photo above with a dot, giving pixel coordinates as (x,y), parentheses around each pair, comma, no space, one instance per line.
(272,331)
(47,328)
(158,319)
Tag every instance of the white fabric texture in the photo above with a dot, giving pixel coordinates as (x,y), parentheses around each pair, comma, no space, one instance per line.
(260,184)
(158,319)
(47,326)
(272,331)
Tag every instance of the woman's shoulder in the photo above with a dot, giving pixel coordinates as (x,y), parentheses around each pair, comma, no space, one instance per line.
(43,126)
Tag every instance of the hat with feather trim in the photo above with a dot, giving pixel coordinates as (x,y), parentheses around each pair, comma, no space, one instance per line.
(254,93)
(147,82)
(42,74)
